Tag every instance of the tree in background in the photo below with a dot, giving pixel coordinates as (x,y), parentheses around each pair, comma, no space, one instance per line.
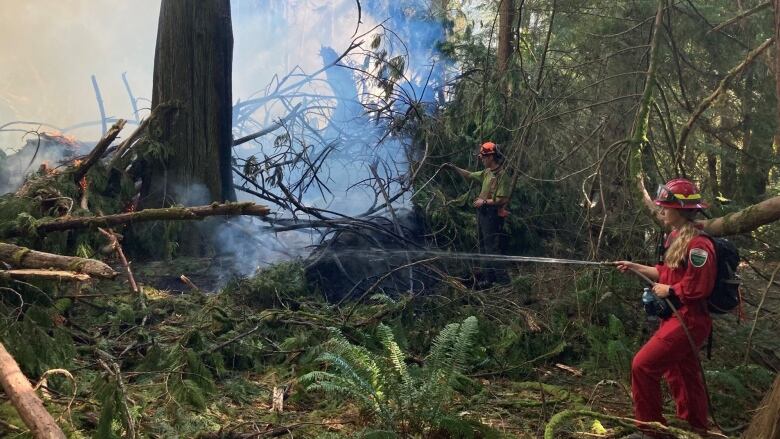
(505,18)
(193,69)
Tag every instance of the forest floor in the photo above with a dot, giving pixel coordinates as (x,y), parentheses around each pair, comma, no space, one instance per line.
(205,364)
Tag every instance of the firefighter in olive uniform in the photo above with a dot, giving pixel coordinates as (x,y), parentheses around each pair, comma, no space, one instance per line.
(491,205)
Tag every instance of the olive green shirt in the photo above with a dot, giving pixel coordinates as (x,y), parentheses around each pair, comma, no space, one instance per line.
(495,184)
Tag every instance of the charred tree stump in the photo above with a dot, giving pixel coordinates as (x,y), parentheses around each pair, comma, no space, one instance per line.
(22,395)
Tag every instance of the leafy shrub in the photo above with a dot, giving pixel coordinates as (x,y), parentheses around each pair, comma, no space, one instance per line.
(610,348)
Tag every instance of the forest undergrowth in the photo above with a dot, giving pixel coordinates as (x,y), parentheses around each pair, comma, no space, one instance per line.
(546,356)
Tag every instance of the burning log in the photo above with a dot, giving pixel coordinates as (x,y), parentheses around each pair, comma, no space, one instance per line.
(196,213)
(44,274)
(22,395)
(25,258)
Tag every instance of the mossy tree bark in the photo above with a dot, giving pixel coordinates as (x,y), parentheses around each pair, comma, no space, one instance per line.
(766,422)
(743,221)
(776,4)
(195,213)
(193,66)
(23,257)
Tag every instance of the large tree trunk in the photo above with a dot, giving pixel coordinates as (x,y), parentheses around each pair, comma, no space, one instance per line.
(193,67)
(766,423)
(22,396)
(506,12)
(776,4)
(757,124)
(728,172)
(712,175)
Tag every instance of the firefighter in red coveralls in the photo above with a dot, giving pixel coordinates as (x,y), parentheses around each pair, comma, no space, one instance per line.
(687,277)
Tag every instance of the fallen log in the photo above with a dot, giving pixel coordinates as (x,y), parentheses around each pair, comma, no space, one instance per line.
(734,223)
(164,214)
(44,275)
(98,150)
(23,398)
(23,257)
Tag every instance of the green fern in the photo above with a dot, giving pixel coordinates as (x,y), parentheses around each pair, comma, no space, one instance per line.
(396,396)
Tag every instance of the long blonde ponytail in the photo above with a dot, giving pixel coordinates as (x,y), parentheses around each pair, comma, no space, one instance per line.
(677,251)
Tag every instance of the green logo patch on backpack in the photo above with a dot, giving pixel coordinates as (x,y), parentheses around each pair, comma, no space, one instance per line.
(698,257)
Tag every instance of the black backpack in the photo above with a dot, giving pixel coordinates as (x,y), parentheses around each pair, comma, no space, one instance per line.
(725,296)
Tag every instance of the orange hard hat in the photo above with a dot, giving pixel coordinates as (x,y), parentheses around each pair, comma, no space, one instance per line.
(488,148)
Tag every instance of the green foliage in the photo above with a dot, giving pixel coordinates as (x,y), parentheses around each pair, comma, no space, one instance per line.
(273,286)
(109,394)
(735,388)
(189,381)
(38,343)
(610,347)
(395,396)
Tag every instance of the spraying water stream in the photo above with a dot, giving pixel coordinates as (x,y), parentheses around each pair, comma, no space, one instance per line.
(379,253)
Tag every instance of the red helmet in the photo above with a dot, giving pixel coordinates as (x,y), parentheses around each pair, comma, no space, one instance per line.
(679,193)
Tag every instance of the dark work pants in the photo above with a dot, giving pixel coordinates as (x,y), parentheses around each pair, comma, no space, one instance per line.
(492,240)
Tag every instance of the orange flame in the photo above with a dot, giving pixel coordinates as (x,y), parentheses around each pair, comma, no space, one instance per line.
(45,168)
(60,137)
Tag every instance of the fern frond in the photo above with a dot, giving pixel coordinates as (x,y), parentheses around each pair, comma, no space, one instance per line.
(394,353)
(335,384)
(348,371)
(359,356)
(464,343)
(441,346)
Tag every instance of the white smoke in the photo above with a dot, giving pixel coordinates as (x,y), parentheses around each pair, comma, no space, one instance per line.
(51,48)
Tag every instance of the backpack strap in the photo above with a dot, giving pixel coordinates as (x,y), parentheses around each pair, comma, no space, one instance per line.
(660,249)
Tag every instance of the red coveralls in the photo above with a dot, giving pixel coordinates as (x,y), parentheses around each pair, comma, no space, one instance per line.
(668,352)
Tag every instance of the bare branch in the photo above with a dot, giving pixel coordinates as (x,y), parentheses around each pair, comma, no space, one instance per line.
(724,83)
